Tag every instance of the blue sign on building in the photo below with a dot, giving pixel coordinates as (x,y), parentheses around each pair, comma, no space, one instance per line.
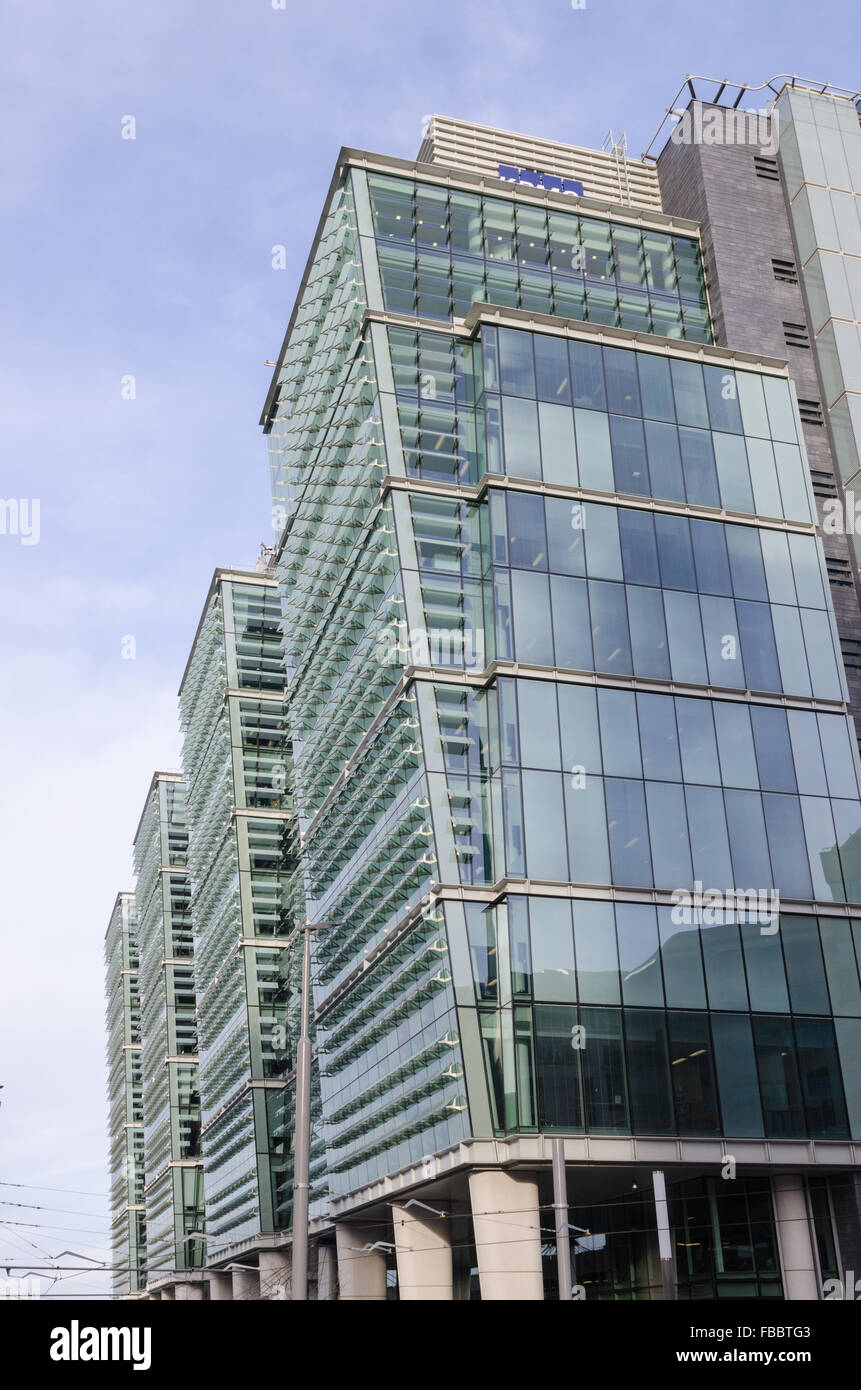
(552,182)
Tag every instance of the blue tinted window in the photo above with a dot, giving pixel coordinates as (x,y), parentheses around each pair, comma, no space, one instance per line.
(773,749)
(692,1072)
(748,844)
(571,624)
(656,387)
(735,745)
(565,536)
(619,738)
(587,375)
(690,394)
(648,632)
(629,836)
(623,391)
(674,549)
(711,558)
(639,956)
(527,545)
(665,461)
(629,455)
(697,740)
(698,465)
(745,562)
(517,370)
(553,376)
(609,627)
(658,737)
(738,1083)
(639,552)
(722,395)
(758,650)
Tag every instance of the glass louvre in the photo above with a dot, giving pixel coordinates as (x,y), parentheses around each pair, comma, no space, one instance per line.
(528,257)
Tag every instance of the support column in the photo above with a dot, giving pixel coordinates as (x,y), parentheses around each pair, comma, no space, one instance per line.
(275,1270)
(361,1273)
(665,1239)
(423,1249)
(246,1284)
(220,1287)
(794,1236)
(327,1281)
(507,1226)
(192,1292)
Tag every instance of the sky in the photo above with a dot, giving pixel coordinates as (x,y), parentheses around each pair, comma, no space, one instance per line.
(151,258)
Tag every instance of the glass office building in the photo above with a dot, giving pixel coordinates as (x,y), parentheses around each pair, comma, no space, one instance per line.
(125,1099)
(574,770)
(242,864)
(171,1087)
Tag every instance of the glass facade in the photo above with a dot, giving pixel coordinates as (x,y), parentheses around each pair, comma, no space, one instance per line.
(125,1099)
(243,867)
(442,249)
(171,1085)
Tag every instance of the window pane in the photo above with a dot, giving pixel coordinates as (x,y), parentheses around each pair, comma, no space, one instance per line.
(571,623)
(558,453)
(674,549)
(595,946)
(629,455)
(609,627)
(578,717)
(639,552)
(587,375)
(698,466)
(558,1067)
(668,831)
(690,393)
(697,741)
(623,391)
(778,1078)
(738,1083)
(735,744)
(604,1087)
(681,957)
(546,851)
(840,966)
(692,1074)
(763,959)
(520,428)
(588,854)
(659,737)
(773,749)
(656,387)
(553,376)
(552,950)
(593,450)
(819,1072)
(629,836)
(539,733)
(665,461)
(805,972)
(639,955)
(748,845)
(709,842)
(725,979)
(649,1072)
(533,641)
(565,533)
(648,633)
(619,738)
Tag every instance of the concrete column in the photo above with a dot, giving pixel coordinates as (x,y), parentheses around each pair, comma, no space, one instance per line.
(507,1227)
(220,1287)
(361,1273)
(275,1269)
(168,1292)
(796,1242)
(423,1249)
(327,1281)
(192,1292)
(246,1284)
